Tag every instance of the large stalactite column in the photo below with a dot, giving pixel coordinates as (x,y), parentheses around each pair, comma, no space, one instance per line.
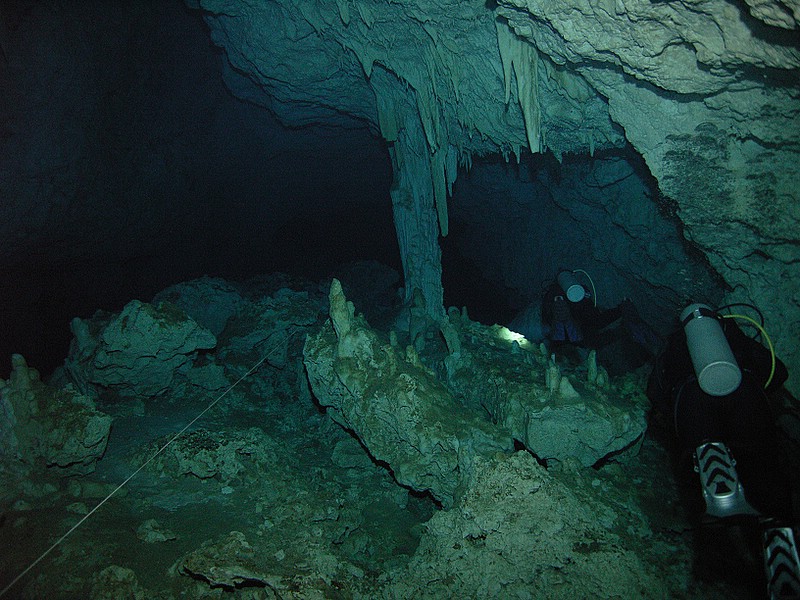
(415,215)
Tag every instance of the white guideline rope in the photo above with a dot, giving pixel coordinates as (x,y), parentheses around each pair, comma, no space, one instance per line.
(5,590)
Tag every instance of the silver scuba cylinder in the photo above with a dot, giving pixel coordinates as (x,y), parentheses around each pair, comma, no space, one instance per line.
(569,283)
(714,365)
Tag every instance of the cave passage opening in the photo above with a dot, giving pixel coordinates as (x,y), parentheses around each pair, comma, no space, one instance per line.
(515,225)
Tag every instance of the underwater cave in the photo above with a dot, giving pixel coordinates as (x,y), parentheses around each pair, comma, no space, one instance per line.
(276,317)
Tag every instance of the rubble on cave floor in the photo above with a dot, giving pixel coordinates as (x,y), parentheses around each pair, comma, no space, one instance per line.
(283,489)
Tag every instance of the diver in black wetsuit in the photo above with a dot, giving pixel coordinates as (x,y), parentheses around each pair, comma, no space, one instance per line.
(714,387)
(573,320)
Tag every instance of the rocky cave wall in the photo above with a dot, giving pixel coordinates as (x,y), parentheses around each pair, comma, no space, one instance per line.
(706,92)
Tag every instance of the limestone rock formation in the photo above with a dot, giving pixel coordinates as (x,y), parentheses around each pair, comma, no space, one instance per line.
(559,413)
(205,454)
(226,564)
(402,414)
(519,532)
(152,532)
(210,301)
(47,427)
(270,327)
(269,496)
(118,582)
(138,352)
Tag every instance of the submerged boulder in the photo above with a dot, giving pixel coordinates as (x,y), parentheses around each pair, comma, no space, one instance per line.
(396,407)
(226,564)
(224,455)
(210,301)
(43,426)
(271,327)
(137,352)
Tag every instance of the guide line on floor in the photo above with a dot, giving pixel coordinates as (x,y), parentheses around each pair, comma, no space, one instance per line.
(60,540)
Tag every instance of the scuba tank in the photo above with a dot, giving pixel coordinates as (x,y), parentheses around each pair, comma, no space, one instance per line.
(715,366)
(716,386)
(572,288)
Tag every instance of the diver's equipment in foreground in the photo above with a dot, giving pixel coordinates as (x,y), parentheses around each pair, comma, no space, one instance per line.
(781,563)
(722,490)
(718,383)
(717,371)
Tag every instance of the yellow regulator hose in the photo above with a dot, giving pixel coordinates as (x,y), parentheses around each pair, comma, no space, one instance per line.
(766,337)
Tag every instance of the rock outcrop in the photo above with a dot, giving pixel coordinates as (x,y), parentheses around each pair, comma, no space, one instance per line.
(559,412)
(46,427)
(209,301)
(513,514)
(402,414)
(137,352)
(270,496)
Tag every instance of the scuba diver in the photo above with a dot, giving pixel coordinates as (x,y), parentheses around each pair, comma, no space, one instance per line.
(574,322)
(715,388)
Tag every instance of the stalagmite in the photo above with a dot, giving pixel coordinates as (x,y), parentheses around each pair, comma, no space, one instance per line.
(553,377)
(567,390)
(591,366)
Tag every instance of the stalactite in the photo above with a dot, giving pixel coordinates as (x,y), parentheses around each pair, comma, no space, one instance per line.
(366,56)
(429,115)
(387,116)
(366,14)
(344,10)
(523,58)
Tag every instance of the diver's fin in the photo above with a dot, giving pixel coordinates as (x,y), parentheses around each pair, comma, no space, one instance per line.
(781,563)
(722,490)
